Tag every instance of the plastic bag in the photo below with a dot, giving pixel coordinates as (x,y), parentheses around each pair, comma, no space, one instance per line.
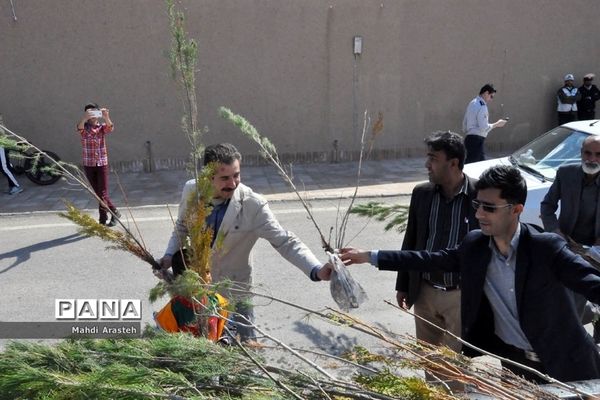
(346,292)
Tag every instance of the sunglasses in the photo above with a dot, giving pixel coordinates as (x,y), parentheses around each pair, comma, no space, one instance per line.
(488,208)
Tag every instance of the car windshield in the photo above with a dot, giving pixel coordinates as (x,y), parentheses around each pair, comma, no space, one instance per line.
(545,154)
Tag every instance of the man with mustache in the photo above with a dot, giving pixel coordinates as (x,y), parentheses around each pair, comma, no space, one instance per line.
(239,218)
(578,189)
(439,217)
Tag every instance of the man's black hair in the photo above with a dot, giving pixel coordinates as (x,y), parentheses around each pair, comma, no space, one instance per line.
(488,87)
(224,153)
(91,106)
(450,143)
(508,179)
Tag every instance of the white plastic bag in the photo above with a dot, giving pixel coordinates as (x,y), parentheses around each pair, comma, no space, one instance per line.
(346,292)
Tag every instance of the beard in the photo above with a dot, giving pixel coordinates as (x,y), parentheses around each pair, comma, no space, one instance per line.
(590,168)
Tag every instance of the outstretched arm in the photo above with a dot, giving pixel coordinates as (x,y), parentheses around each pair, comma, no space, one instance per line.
(355,256)
(289,245)
(404,260)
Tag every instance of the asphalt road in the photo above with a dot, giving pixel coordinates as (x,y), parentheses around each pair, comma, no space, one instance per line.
(43,258)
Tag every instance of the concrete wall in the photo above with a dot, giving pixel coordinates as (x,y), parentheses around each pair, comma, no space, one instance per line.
(289,68)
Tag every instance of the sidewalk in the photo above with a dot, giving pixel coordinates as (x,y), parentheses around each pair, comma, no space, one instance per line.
(314,181)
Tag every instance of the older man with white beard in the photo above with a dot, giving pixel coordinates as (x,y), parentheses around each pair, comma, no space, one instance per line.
(578,189)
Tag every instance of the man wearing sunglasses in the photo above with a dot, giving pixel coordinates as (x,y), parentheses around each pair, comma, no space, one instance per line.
(476,125)
(515,283)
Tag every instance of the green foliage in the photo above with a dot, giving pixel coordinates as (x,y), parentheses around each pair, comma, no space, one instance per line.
(188,284)
(166,365)
(184,52)
(8,143)
(396,213)
(174,366)
(362,355)
(32,157)
(204,184)
(88,226)
(404,388)
(184,57)
(37,161)
(267,149)
(199,238)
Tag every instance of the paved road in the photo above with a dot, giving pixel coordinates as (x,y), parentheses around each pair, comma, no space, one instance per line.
(42,258)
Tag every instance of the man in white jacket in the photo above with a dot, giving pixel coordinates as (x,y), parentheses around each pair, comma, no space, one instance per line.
(239,217)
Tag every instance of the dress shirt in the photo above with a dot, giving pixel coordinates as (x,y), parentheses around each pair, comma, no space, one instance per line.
(215,218)
(499,288)
(476,120)
(448,224)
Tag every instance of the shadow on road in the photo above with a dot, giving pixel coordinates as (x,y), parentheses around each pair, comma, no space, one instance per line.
(329,341)
(23,254)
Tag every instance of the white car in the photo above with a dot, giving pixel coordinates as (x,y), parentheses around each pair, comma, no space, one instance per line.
(539,159)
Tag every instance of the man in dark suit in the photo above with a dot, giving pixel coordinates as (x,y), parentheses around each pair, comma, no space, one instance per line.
(440,215)
(573,185)
(590,94)
(577,187)
(514,281)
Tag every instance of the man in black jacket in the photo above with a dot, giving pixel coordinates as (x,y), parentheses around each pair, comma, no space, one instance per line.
(590,94)
(514,281)
(577,188)
(439,217)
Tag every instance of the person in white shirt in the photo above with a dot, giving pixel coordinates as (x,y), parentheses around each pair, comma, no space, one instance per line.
(476,124)
(567,98)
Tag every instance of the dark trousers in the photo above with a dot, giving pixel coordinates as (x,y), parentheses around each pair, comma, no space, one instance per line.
(587,314)
(243,308)
(7,169)
(565,117)
(518,355)
(584,115)
(474,147)
(98,178)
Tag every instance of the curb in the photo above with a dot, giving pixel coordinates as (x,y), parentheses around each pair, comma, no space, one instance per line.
(368,191)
